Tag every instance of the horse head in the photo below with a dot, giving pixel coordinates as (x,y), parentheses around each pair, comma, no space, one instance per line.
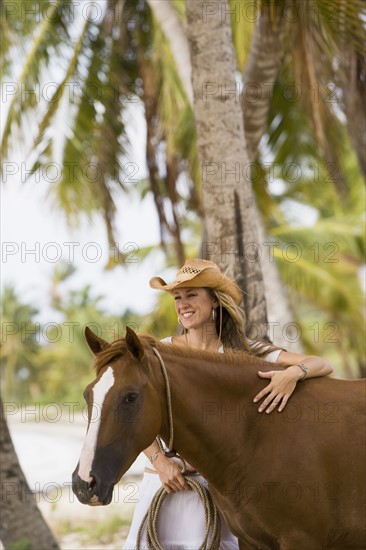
(124,416)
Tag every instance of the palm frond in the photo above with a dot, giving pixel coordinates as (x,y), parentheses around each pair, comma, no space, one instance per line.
(325,288)
(243,15)
(37,55)
(58,95)
(343,21)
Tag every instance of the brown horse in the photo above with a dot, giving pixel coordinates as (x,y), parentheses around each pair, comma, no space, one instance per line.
(293,480)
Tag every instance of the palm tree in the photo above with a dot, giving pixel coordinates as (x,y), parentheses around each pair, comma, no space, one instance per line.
(228,200)
(113,62)
(274,36)
(277,43)
(21,522)
(19,344)
(126,55)
(65,348)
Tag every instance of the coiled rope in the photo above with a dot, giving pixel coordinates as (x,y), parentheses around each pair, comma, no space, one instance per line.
(212,519)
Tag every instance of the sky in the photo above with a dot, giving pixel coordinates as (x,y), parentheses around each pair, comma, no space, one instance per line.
(36,238)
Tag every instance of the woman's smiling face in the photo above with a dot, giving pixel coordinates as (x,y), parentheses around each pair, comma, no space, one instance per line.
(194,306)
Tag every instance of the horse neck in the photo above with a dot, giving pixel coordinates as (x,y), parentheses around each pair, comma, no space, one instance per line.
(207,396)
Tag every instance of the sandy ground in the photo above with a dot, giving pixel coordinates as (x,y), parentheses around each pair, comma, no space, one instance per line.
(77,526)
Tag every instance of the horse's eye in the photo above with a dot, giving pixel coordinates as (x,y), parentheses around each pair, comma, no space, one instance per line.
(131,397)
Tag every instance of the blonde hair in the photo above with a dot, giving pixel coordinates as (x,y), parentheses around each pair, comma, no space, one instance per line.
(231,325)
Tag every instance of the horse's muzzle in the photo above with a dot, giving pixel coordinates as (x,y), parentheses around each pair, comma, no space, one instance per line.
(90,493)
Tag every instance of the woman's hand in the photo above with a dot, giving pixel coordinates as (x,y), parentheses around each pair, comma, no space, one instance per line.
(282,384)
(170,473)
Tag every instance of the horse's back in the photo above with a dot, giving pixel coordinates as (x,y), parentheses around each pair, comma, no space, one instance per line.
(310,467)
(342,399)
(329,414)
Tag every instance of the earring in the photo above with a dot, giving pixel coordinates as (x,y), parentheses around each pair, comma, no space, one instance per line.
(213,314)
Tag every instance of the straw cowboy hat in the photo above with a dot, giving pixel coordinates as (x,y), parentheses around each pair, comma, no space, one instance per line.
(200,273)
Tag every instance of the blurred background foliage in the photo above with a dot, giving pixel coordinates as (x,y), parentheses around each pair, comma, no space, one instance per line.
(308,176)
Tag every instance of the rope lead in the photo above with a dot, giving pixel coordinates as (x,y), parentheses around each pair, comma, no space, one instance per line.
(212,519)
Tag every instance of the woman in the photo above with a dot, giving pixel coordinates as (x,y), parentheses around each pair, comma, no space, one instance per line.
(207,304)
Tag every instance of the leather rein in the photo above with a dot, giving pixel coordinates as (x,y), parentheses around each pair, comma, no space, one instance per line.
(169,452)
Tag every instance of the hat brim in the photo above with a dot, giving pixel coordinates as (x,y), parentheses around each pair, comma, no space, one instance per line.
(207,278)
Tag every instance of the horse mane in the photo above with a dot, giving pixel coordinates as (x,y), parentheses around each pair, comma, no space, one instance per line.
(118,348)
(229,357)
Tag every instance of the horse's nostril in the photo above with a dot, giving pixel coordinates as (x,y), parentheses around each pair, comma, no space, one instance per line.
(91,484)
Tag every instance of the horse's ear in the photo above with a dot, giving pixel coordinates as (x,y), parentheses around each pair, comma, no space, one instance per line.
(134,345)
(95,343)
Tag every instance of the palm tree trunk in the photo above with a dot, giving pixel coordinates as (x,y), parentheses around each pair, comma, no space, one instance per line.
(262,70)
(230,215)
(265,56)
(20,518)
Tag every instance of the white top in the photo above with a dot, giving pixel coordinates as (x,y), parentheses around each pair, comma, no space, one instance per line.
(272,357)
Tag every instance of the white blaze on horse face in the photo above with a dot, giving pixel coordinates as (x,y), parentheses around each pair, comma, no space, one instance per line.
(100,391)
